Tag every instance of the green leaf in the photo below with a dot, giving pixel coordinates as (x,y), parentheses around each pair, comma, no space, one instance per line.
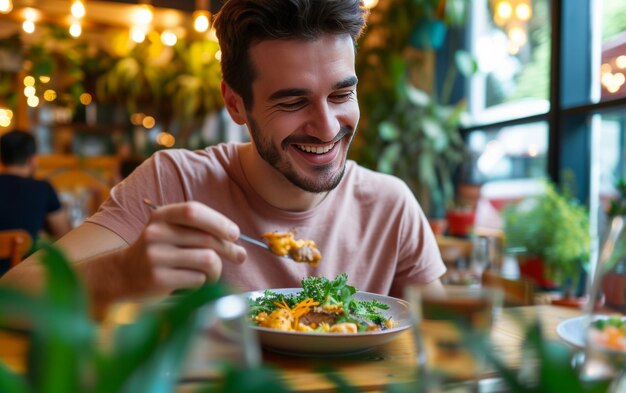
(417,97)
(388,131)
(465,62)
(388,158)
(11,382)
(154,343)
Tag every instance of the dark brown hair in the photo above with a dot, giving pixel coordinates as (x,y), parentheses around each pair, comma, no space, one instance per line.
(16,147)
(242,23)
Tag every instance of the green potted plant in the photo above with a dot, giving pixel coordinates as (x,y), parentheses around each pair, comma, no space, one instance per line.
(551,232)
(409,126)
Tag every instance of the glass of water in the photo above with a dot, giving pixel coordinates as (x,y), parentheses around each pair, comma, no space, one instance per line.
(446,324)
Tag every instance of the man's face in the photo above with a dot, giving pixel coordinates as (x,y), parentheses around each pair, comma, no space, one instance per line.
(305,110)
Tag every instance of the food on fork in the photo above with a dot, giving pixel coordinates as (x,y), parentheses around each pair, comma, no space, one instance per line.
(284,243)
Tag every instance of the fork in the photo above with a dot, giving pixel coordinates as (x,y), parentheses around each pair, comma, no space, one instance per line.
(243,237)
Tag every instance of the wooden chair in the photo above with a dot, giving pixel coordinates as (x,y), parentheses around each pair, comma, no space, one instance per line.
(517,292)
(14,244)
(452,249)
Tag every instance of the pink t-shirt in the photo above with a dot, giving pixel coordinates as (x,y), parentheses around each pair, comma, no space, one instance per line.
(370,226)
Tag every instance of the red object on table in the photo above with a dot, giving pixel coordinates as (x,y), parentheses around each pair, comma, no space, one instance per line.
(533,268)
(460,222)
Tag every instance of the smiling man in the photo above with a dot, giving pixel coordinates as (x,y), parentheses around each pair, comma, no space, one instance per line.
(289,76)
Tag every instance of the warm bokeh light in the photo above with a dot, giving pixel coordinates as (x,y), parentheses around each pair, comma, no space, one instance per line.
(143,15)
(44,79)
(78,9)
(201,20)
(620,62)
(6,6)
(32,101)
(165,139)
(137,34)
(169,38)
(29,80)
(6,115)
(137,118)
(28,26)
(504,10)
(523,11)
(29,91)
(31,14)
(76,29)
(49,95)
(148,122)
(369,4)
(612,82)
(85,99)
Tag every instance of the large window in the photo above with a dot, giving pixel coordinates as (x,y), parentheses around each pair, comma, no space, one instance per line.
(555,105)
(613,59)
(511,41)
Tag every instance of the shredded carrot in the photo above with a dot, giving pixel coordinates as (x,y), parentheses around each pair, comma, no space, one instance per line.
(299,310)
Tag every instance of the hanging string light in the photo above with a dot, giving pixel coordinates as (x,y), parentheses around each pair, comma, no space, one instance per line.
(142,20)
(512,16)
(78,9)
(78,13)
(31,15)
(6,6)
(201,16)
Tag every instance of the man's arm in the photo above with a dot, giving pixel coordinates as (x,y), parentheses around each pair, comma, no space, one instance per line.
(90,246)
(434,286)
(182,246)
(58,223)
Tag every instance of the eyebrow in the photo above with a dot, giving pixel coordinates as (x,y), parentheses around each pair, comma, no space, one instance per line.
(295,92)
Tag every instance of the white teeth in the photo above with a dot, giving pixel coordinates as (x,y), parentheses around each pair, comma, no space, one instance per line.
(316,149)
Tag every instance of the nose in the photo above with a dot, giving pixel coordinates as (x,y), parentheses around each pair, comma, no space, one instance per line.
(325,122)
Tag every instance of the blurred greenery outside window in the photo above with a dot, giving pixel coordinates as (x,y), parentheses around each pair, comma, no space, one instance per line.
(513,54)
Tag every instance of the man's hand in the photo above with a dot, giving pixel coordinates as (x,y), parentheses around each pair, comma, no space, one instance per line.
(182,246)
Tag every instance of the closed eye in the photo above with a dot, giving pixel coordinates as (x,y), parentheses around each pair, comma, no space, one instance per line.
(292,105)
(343,96)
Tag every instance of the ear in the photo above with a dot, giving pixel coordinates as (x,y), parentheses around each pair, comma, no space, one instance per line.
(234,104)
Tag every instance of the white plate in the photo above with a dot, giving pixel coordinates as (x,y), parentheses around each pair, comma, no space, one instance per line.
(572,330)
(324,344)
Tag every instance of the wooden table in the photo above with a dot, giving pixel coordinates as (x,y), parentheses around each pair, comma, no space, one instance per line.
(369,371)
(395,362)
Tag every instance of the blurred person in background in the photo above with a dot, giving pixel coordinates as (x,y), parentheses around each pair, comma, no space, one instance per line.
(26,203)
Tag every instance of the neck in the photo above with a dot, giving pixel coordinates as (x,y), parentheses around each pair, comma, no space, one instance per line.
(272,186)
(17,170)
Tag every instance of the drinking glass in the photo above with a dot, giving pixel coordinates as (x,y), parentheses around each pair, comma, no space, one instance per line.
(602,359)
(222,338)
(225,340)
(447,324)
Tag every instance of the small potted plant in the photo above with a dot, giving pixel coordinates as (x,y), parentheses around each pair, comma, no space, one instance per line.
(551,231)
